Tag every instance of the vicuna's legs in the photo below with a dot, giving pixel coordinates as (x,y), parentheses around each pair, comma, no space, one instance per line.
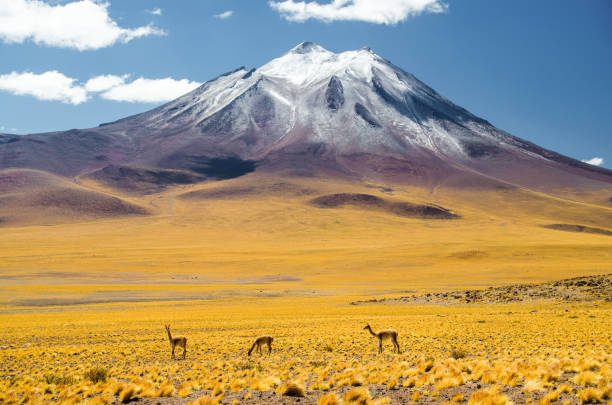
(379,345)
(396,345)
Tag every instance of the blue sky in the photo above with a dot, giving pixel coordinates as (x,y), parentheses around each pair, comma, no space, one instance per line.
(539,69)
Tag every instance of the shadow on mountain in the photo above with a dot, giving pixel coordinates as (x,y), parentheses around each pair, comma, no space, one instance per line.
(578,228)
(220,168)
(281,189)
(137,180)
(371,202)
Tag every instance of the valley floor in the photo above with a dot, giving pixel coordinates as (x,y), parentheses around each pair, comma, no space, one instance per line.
(480,353)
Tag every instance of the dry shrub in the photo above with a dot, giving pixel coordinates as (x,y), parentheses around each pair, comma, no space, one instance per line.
(587,379)
(59,380)
(590,396)
(487,397)
(416,395)
(265,383)
(129,392)
(551,396)
(96,374)
(166,390)
(206,400)
(184,390)
(358,396)
(357,380)
(458,398)
(293,389)
(329,399)
(459,353)
(218,390)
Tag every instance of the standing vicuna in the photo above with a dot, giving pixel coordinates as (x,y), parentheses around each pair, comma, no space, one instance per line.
(180,341)
(260,341)
(389,334)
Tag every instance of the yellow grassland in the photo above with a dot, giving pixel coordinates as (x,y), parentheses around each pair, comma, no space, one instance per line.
(222,271)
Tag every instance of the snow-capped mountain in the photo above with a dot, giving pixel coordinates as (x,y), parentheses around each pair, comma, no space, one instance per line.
(309,111)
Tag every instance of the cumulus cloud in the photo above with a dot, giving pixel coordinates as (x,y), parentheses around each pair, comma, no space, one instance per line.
(144,90)
(50,85)
(373,11)
(55,86)
(596,161)
(82,25)
(225,15)
(155,11)
(104,82)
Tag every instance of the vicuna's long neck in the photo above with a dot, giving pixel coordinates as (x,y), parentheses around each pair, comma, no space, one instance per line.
(169,335)
(371,331)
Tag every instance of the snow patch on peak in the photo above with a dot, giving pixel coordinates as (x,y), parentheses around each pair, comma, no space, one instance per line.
(308,47)
(308,64)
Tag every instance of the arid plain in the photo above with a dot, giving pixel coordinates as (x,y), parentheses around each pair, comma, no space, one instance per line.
(85,295)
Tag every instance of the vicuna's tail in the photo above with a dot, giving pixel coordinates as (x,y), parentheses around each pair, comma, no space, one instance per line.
(252,347)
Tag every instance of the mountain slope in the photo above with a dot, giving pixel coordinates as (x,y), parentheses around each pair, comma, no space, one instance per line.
(313,112)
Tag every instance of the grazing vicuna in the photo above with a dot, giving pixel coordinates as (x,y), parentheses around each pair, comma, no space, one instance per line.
(260,341)
(180,341)
(389,334)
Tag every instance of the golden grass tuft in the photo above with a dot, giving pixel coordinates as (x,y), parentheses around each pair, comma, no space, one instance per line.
(165,390)
(129,392)
(96,374)
(358,396)
(487,397)
(205,400)
(590,396)
(587,378)
(329,399)
(293,389)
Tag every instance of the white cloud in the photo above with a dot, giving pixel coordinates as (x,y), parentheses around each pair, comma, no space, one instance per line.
(3,128)
(104,82)
(50,85)
(225,15)
(54,86)
(155,11)
(596,161)
(82,25)
(144,90)
(373,11)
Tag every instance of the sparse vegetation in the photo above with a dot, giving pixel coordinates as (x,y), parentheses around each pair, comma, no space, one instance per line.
(110,355)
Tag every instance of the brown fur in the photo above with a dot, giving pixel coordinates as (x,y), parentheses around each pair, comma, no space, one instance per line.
(180,341)
(260,341)
(390,334)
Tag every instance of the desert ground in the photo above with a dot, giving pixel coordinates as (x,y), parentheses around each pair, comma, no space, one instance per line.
(89,281)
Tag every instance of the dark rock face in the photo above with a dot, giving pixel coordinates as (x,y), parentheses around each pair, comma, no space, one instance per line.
(249,74)
(366,115)
(479,149)
(334,95)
